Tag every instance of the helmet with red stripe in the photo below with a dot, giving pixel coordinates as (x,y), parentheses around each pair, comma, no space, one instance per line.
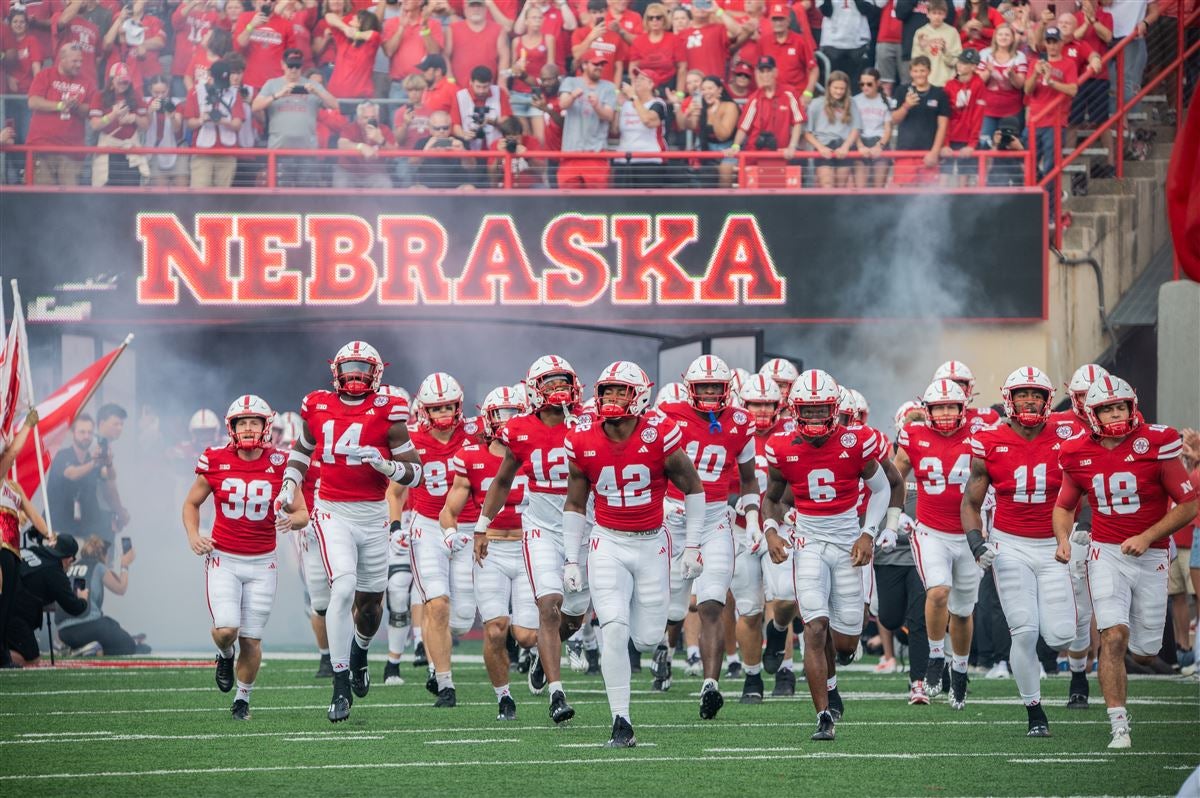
(957,371)
(634,397)
(909,412)
(438,390)
(1106,391)
(740,378)
(204,426)
(761,397)
(286,428)
(1027,413)
(395,390)
(784,372)
(357,369)
(707,381)
(1080,382)
(847,407)
(499,406)
(249,406)
(945,393)
(861,407)
(814,400)
(671,392)
(552,380)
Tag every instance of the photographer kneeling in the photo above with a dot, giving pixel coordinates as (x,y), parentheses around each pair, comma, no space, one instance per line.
(1007,171)
(44,581)
(527,173)
(94,626)
(215,111)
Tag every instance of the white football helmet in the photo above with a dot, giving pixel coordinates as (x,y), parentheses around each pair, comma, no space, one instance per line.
(357,369)
(1027,377)
(862,409)
(814,389)
(957,371)
(761,397)
(708,370)
(637,390)
(1080,382)
(552,380)
(909,412)
(847,407)
(671,392)
(249,406)
(437,390)
(286,428)
(395,390)
(1109,390)
(784,372)
(740,378)
(204,427)
(499,406)
(945,392)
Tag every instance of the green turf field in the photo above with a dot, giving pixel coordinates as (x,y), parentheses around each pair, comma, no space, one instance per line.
(168,732)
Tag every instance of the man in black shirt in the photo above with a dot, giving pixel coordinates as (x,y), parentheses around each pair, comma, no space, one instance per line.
(43,581)
(923,114)
(441,172)
(73,484)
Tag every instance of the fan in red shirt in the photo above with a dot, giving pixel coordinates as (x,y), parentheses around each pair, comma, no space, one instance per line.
(356,39)
(1130,473)
(1049,87)
(71,28)
(261,36)
(441,88)
(593,41)
(191,21)
(1095,26)
(965,92)
(977,22)
(478,41)
(546,100)
(658,52)
(409,38)
(708,42)
(793,53)
(60,99)
(770,110)
(117,114)
(557,20)
(366,136)
(136,38)
(18,74)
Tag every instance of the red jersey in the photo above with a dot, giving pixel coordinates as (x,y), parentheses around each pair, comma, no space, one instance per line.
(980,417)
(354,62)
(540,451)
(629,479)
(1070,419)
(190,30)
(473,49)
(441,97)
(707,49)
(59,127)
(824,478)
(478,465)
(609,45)
(966,109)
(430,496)
(81,31)
(715,449)
(941,466)
(1104,18)
(660,60)
(891,27)
(1025,476)
(775,114)
(243,492)
(125,132)
(1043,96)
(1129,487)
(29,52)
(1078,52)
(264,50)
(338,429)
(794,57)
(535,57)
(882,454)
(630,20)
(411,47)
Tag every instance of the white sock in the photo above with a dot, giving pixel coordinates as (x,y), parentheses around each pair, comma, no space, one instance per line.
(670,652)
(554,687)
(444,680)
(614,662)
(227,653)
(363,642)
(831,683)
(393,659)
(1077,664)
(937,649)
(243,691)
(751,670)
(1026,667)
(502,691)
(788,664)
(324,652)
(693,651)
(731,658)
(1118,718)
(709,683)
(958,664)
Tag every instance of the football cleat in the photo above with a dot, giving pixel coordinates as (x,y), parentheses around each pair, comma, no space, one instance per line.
(1120,738)
(933,676)
(776,648)
(825,729)
(593,660)
(391,674)
(431,683)
(660,667)
(785,684)
(508,709)
(420,660)
(734,670)
(958,690)
(240,710)
(360,678)
(1079,691)
(339,705)
(537,676)
(694,666)
(917,695)
(1039,726)
(324,669)
(622,735)
(752,690)
(711,702)
(946,678)
(886,665)
(575,652)
(446,697)
(224,673)
(836,707)
(560,710)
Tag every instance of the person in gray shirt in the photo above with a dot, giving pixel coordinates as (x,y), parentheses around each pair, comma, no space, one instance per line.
(292,102)
(832,129)
(93,625)
(588,105)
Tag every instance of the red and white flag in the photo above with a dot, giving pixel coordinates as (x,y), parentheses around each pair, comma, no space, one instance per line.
(12,368)
(56,413)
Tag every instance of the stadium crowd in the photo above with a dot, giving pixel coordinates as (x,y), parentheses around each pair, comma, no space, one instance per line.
(936,79)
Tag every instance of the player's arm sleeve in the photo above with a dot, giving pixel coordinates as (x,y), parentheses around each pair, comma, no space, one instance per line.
(574,520)
(1069,493)
(970,511)
(881,495)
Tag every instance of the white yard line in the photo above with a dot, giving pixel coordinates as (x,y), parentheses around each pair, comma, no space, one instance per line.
(488,741)
(326,739)
(1058,761)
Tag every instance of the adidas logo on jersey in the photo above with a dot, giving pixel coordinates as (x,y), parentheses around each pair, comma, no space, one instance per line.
(270,470)
(643,450)
(370,412)
(271,567)
(1130,458)
(1161,567)
(843,456)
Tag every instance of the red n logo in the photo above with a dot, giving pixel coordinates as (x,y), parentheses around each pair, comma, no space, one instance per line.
(1094,554)
(595,543)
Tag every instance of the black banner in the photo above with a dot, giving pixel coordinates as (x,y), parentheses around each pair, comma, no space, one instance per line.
(690,260)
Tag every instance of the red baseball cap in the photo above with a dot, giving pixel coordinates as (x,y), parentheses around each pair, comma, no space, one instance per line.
(780,10)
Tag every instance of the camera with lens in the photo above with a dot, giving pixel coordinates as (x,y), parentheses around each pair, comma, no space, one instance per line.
(511,144)
(167,105)
(1007,136)
(371,122)
(265,8)
(766,141)
(479,115)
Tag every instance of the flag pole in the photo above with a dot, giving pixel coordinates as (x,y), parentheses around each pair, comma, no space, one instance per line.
(19,320)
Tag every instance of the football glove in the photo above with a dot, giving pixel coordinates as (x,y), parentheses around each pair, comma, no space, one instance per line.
(693,562)
(572,577)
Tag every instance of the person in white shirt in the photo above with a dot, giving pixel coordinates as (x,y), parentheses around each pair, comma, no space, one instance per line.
(1131,19)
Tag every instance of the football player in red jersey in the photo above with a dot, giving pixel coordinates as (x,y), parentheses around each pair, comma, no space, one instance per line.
(823,464)
(362,441)
(1018,459)
(977,417)
(535,447)
(758,581)
(441,556)
(939,451)
(501,587)
(624,459)
(240,568)
(1130,472)
(719,439)
(784,373)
